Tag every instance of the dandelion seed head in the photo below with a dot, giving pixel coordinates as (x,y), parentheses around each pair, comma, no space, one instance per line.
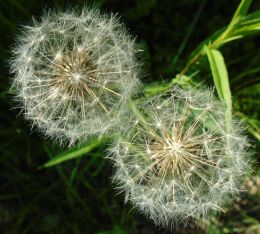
(189,165)
(72,71)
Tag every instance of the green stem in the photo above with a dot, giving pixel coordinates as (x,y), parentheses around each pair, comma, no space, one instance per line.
(219,40)
(141,119)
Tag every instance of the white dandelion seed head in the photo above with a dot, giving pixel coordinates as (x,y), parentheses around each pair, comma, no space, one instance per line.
(73,71)
(188,164)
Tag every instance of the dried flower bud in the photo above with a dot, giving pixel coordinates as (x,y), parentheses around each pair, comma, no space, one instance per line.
(176,160)
(72,73)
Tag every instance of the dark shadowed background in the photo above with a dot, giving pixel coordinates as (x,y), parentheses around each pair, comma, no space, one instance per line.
(77,196)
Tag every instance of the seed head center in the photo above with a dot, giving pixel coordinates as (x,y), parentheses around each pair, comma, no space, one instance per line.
(169,156)
(75,73)
(174,148)
(76,77)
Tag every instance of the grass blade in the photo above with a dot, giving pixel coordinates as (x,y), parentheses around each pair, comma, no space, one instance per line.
(220,77)
(72,153)
(241,10)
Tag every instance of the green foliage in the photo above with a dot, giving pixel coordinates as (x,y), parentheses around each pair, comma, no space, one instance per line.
(76,196)
(221,81)
(220,75)
(73,153)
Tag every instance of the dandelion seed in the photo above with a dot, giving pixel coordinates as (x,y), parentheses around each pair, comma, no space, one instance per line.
(72,73)
(189,165)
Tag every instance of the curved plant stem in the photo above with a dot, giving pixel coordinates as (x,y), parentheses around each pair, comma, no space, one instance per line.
(190,63)
(223,37)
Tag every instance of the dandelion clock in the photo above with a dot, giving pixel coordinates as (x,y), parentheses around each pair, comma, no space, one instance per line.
(72,71)
(176,160)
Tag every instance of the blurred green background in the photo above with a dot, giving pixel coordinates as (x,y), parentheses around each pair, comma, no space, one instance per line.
(77,196)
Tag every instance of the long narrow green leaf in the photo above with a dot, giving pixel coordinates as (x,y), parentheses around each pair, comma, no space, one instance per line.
(215,71)
(241,10)
(249,25)
(239,14)
(72,153)
(243,26)
(220,76)
(251,18)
